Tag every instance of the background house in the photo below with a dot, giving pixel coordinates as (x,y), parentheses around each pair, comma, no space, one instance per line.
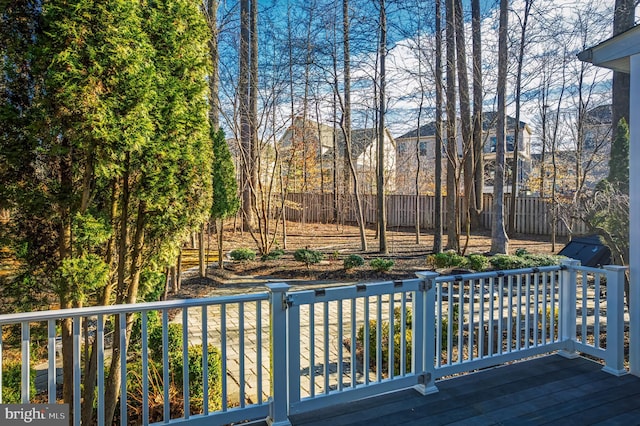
(581,161)
(413,150)
(307,149)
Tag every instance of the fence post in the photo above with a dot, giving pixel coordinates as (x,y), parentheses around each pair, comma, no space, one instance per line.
(568,285)
(278,406)
(424,333)
(615,320)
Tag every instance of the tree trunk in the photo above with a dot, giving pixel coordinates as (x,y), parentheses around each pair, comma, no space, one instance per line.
(246,151)
(516,131)
(202,267)
(346,122)
(478,167)
(220,243)
(253,99)
(214,78)
(382,213)
(499,239)
(452,143)
(437,236)
(465,117)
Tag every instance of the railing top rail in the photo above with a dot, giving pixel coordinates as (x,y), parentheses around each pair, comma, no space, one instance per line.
(594,270)
(496,274)
(353,291)
(128,308)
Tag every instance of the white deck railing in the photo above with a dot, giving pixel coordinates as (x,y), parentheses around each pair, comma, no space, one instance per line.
(289,352)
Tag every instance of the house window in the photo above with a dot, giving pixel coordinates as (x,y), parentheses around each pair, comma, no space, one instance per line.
(491,146)
(402,148)
(423,149)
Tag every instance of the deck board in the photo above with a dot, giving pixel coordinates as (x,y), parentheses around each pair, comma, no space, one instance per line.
(546,390)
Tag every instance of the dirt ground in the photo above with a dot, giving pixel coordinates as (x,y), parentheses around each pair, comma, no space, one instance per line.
(336,242)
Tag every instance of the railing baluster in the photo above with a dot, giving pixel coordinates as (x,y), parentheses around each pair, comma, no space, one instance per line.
(379,338)
(536,305)
(205,359)
(471,318)
(392,328)
(241,355)
(366,340)
(352,367)
(77,372)
(451,306)
(527,309)
(100,337)
(403,333)
(519,313)
(481,334)
(185,362)
(259,350)
(439,327)
(312,352)
(555,292)
(123,369)
(491,330)
(295,329)
(223,355)
(514,322)
(51,355)
(1,345)
(165,365)
(26,362)
(145,369)
(543,334)
(340,332)
(326,347)
(501,313)
(509,340)
(460,321)
(585,298)
(596,310)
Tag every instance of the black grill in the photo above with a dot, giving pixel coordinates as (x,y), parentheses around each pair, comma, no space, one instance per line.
(589,250)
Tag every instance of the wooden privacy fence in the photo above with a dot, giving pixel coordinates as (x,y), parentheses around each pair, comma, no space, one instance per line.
(533,214)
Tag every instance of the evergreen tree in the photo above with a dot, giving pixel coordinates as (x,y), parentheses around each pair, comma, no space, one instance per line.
(225,187)
(105,157)
(619,159)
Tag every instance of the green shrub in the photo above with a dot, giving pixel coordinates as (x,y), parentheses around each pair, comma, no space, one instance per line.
(273,255)
(11,382)
(447,259)
(503,261)
(477,262)
(196,393)
(353,261)
(242,254)
(521,251)
(444,325)
(544,259)
(397,322)
(308,256)
(382,265)
(174,337)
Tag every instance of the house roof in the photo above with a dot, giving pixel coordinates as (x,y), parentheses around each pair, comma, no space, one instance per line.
(599,115)
(488,122)
(614,53)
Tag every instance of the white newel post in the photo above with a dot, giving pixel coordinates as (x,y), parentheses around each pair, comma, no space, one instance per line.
(424,334)
(634,215)
(614,358)
(278,407)
(568,308)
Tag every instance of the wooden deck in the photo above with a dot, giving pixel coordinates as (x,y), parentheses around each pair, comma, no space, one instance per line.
(547,390)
